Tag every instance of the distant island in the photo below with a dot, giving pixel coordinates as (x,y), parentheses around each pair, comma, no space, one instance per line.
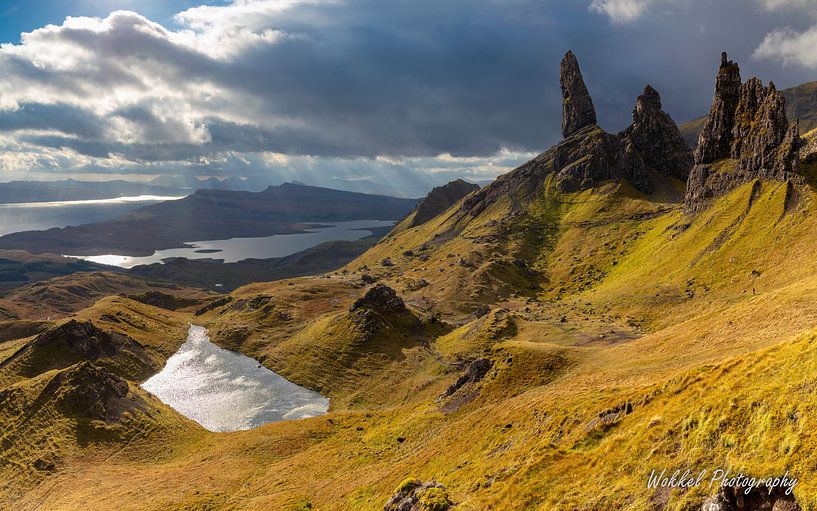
(212,215)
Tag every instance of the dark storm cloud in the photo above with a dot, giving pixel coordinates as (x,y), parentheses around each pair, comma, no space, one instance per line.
(64,118)
(368,78)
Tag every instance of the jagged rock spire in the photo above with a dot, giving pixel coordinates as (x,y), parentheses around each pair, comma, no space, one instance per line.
(657,138)
(761,127)
(715,139)
(747,125)
(577,106)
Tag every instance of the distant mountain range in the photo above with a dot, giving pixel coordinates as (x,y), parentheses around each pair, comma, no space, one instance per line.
(210,215)
(168,185)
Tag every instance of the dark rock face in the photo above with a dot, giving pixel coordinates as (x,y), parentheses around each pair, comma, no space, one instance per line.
(381,298)
(808,151)
(715,140)
(747,136)
(84,339)
(577,106)
(582,161)
(440,199)
(89,391)
(413,495)
(648,150)
(758,499)
(74,342)
(761,127)
(656,137)
(476,371)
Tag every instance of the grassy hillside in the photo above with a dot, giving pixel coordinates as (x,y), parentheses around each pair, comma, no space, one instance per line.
(59,297)
(615,335)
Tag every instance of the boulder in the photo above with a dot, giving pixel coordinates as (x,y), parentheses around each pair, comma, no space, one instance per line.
(414,495)
(758,499)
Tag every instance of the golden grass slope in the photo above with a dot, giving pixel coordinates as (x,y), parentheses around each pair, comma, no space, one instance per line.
(623,336)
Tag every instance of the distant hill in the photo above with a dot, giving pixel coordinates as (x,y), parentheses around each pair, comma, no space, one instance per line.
(801,104)
(211,215)
(210,183)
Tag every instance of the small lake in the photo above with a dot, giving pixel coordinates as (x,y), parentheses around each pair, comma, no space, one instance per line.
(38,216)
(238,249)
(225,391)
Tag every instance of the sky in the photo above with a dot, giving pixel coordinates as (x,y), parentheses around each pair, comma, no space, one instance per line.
(375,95)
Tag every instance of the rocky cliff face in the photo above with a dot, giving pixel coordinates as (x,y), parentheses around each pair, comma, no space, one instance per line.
(577,106)
(715,139)
(746,136)
(657,138)
(763,140)
(652,148)
(440,199)
(808,149)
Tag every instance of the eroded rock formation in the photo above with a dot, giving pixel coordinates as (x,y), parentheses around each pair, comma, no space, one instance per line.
(657,138)
(715,140)
(577,106)
(746,136)
(381,298)
(89,391)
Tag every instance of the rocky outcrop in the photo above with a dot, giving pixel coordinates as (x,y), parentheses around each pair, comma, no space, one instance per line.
(761,127)
(656,137)
(82,338)
(715,140)
(74,342)
(89,391)
(476,371)
(413,495)
(758,499)
(746,137)
(381,298)
(577,106)
(808,149)
(440,199)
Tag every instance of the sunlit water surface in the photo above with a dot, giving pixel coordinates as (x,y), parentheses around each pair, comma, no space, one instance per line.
(239,249)
(225,391)
(37,216)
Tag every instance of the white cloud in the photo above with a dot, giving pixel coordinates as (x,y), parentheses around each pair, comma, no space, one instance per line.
(621,11)
(774,5)
(790,46)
